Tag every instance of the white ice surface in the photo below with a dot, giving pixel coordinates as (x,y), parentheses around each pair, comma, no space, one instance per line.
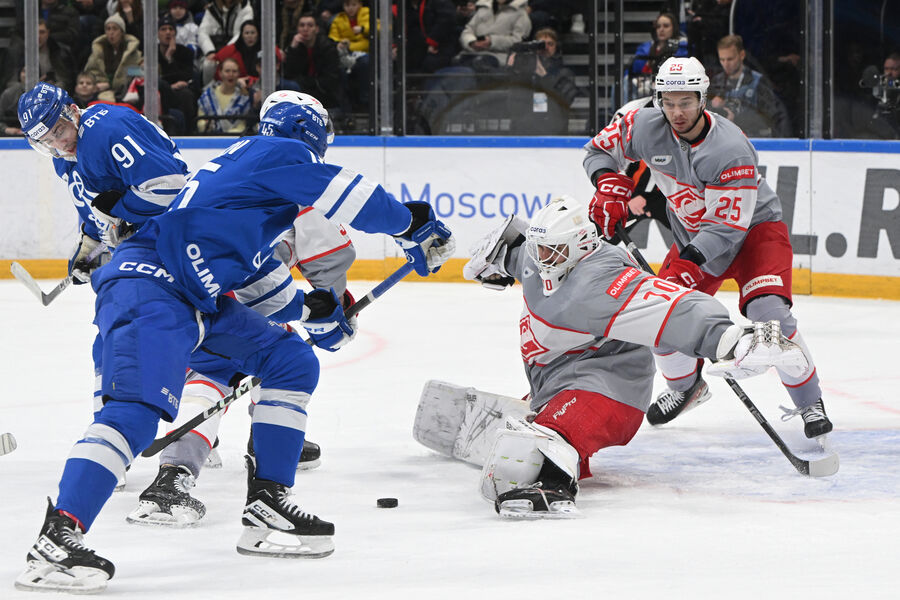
(704,508)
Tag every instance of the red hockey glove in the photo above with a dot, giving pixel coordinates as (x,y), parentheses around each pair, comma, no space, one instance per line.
(681,271)
(610,203)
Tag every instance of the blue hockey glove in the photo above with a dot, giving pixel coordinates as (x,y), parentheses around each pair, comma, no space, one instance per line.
(427,243)
(324,319)
(87,257)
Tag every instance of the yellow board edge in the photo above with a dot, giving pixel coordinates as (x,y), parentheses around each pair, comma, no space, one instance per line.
(805,282)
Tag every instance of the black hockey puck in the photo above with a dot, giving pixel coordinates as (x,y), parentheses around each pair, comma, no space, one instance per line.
(387,503)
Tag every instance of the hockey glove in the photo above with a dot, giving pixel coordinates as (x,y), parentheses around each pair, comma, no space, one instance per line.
(681,271)
(82,264)
(427,243)
(325,321)
(609,205)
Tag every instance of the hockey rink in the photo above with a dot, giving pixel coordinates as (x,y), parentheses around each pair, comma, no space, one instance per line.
(706,507)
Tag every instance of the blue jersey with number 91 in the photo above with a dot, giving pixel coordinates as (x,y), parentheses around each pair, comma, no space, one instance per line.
(118,149)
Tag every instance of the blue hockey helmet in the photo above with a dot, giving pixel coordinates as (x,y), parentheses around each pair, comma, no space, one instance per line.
(300,122)
(39,109)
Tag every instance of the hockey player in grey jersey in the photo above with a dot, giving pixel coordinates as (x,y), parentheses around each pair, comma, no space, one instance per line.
(589,320)
(725,218)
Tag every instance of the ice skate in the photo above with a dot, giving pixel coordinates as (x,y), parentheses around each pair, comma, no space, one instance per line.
(670,403)
(167,501)
(815,421)
(310,456)
(59,561)
(275,526)
(537,502)
(214,459)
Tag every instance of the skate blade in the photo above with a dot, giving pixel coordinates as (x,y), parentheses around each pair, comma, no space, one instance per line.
(254,541)
(308,465)
(45,577)
(524,509)
(148,513)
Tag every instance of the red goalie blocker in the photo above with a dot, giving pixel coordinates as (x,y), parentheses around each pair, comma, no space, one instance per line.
(590,421)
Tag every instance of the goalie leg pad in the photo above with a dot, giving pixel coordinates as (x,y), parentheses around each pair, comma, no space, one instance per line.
(589,421)
(519,453)
(462,422)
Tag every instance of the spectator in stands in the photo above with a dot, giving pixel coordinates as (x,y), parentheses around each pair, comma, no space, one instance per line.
(491,32)
(132,12)
(176,74)
(287,19)
(112,54)
(187,32)
(246,50)
(559,15)
(707,23)
(85,89)
(667,42)
(62,20)
(350,30)
(9,121)
(221,24)
(90,17)
(745,96)
(226,97)
(431,35)
(312,61)
(55,59)
(549,85)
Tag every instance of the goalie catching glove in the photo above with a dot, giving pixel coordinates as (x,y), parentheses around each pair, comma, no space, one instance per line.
(427,243)
(324,319)
(609,206)
(488,262)
(86,258)
(746,351)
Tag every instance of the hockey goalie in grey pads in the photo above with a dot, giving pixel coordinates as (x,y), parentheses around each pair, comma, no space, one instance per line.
(589,320)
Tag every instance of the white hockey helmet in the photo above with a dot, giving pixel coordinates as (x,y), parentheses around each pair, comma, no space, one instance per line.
(560,235)
(681,75)
(298,98)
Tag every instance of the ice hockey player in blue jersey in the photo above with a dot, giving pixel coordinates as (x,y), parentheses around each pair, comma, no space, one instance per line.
(161,299)
(120,168)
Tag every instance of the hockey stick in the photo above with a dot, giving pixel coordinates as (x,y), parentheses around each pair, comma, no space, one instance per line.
(815,468)
(243,388)
(392,280)
(249,383)
(22,274)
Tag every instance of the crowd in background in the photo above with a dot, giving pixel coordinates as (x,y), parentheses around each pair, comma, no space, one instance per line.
(461,58)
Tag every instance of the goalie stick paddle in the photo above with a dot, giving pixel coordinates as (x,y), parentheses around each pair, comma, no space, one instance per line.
(822,467)
(22,274)
(242,389)
(249,383)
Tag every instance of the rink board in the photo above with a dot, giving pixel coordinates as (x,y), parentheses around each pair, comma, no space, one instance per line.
(841,200)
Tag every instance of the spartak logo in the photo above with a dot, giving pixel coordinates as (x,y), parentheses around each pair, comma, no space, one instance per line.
(688,207)
(529,345)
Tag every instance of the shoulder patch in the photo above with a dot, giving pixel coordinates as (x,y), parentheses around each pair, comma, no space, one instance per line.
(619,284)
(742,172)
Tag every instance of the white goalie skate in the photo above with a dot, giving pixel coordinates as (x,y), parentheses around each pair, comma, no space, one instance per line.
(535,502)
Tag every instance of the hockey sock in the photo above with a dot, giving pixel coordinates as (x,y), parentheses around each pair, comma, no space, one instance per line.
(803,390)
(589,422)
(679,370)
(279,426)
(98,460)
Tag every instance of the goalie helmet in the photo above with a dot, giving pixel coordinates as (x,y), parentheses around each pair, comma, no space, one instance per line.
(560,235)
(681,75)
(292,97)
(39,110)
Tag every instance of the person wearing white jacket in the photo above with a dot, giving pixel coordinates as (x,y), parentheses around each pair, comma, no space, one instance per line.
(493,29)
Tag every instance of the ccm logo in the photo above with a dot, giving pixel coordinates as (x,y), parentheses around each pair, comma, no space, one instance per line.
(615,190)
